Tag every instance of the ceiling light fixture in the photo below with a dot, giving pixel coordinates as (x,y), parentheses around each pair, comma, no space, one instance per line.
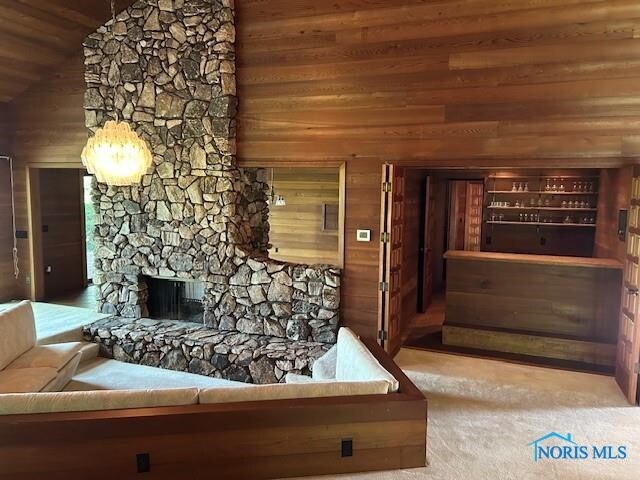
(116,155)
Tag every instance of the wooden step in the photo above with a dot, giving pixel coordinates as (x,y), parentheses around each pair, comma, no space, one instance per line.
(565,348)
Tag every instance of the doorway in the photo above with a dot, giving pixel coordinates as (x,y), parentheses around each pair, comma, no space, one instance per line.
(57,225)
(89,223)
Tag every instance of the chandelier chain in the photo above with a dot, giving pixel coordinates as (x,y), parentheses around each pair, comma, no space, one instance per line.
(115,87)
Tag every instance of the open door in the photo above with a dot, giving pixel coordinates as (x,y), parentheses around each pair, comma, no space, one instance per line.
(628,353)
(391,236)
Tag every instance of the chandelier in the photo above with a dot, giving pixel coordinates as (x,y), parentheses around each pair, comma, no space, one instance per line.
(116,155)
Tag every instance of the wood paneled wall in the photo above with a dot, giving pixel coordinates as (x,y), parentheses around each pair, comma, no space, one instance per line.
(614,195)
(6,132)
(296,229)
(49,131)
(36,36)
(453,83)
(9,287)
(457,83)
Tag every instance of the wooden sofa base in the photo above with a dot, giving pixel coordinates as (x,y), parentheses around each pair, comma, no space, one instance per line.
(249,440)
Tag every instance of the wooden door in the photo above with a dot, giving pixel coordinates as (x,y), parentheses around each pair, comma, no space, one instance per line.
(473,216)
(426,272)
(390,295)
(62,218)
(628,352)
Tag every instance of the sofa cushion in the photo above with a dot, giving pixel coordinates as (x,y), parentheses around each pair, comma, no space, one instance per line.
(64,375)
(324,368)
(282,391)
(54,356)
(104,374)
(95,400)
(355,363)
(17,332)
(25,380)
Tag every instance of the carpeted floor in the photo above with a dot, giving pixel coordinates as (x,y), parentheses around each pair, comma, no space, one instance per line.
(483,413)
(58,323)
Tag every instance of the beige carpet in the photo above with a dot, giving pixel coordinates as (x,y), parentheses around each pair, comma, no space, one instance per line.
(59,323)
(483,413)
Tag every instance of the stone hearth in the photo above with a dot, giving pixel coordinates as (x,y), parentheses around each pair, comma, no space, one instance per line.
(198,349)
(167,67)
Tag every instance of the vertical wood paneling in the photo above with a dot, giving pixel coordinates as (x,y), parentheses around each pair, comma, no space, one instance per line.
(455,83)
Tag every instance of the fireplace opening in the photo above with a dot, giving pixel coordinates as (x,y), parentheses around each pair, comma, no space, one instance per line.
(175,300)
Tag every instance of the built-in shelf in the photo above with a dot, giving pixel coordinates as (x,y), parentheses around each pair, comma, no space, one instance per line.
(542,224)
(549,209)
(544,177)
(536,192)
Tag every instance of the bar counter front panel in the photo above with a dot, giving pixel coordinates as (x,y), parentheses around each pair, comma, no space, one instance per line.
(555,307)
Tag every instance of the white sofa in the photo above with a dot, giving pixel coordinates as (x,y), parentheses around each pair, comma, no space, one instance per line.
(26,366)
(36,374)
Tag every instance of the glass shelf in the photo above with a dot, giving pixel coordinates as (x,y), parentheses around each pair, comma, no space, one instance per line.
(549,209)
(542,224)
(536,192)
(544,177)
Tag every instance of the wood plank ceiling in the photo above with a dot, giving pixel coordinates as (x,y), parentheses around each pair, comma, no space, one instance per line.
(36,35)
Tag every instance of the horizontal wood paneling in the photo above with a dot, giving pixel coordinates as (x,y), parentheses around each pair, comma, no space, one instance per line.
(9,287)
(528,83)
(36,36)
(49,119)
(558,300)
(296,229)
(48,131)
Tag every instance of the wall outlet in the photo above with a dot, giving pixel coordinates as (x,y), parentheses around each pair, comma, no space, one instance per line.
(143,462)
(27,280)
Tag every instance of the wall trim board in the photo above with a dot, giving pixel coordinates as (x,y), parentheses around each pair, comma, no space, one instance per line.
(34,221)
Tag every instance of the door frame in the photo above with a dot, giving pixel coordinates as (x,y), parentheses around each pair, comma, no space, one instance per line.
(37,291)
(627,379)
(390,286)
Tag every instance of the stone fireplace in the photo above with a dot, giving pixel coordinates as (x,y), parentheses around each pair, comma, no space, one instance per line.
(175,299)
(168,68)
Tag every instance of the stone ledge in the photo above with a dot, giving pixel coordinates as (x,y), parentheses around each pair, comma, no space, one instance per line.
(195,348)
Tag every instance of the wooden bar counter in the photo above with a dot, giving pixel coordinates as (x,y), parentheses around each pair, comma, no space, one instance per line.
(563,308)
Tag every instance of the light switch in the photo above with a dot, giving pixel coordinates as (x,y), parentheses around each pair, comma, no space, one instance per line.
(363,235)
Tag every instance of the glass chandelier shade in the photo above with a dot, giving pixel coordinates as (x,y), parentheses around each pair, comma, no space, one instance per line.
(116,155)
